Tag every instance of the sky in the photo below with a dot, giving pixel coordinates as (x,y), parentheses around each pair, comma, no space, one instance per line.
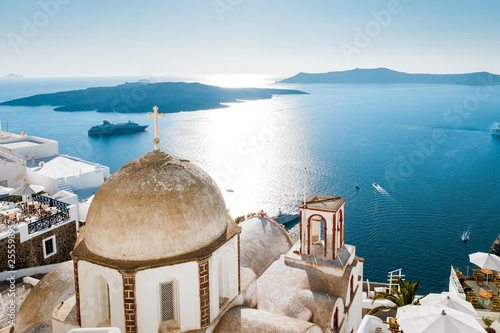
(277,38)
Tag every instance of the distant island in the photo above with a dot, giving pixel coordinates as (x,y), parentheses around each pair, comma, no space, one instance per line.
(142,96)
(388,76)
(12,76)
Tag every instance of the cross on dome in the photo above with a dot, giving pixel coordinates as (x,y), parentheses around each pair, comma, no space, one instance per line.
(156,115)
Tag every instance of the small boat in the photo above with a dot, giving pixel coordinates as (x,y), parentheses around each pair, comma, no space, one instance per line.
(465,236)
(496,132)
(356,186)
(108,128)
(230,190)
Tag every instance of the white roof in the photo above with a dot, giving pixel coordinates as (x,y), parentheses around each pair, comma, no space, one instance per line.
(64,166)
(21,144)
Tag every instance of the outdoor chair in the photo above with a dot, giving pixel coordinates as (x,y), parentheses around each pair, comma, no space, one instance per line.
(393,325)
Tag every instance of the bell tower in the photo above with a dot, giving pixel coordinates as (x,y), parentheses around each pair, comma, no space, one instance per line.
(322,226)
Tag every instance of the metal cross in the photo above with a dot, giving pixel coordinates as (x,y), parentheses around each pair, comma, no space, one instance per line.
(156,115)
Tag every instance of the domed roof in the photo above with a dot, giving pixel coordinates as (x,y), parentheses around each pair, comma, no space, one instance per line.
(157,206)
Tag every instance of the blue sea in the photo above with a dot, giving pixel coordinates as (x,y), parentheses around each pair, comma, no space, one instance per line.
(428,147)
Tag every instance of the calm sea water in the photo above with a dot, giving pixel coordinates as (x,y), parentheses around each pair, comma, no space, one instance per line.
(437,163)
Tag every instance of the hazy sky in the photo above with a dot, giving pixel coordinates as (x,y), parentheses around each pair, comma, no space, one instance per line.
(274,37)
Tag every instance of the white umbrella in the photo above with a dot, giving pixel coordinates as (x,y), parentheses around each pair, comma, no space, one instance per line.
(485,260)
(26,189)
(23,190)
(436,319)
(448,300)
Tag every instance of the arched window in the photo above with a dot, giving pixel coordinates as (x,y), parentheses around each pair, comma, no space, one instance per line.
(336,319)
(316,230)
(223,282)
(341,219)
(103,308)
(352,285)
(168,306)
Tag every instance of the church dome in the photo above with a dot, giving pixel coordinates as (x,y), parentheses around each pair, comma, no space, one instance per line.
(157,206)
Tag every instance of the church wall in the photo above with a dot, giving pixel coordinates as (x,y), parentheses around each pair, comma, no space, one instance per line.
(355,309)
(228,254)
(88,274)
(353,303)
(30,252)
(147,284)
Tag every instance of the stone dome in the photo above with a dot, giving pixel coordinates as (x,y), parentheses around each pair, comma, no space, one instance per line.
(155,207)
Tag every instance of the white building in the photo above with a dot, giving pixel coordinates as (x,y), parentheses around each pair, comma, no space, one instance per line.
(67,173)
(44,166)
(12,169)
(30,147)
(160,253)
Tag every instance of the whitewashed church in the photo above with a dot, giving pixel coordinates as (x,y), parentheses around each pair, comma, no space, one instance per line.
(159,253)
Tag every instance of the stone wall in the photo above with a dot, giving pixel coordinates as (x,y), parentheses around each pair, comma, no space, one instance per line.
(30,253)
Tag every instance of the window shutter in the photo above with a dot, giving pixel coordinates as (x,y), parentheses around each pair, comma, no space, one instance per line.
(167,301)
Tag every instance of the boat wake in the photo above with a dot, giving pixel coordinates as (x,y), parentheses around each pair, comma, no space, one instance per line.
(465,236)
(382,191)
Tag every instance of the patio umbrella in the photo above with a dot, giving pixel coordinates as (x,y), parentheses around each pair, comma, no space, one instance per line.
(436,319)
(485,260)
(450,301)
(23,190)
(26,189)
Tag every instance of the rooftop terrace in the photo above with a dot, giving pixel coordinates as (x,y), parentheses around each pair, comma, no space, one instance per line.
(39,212)
(481,289)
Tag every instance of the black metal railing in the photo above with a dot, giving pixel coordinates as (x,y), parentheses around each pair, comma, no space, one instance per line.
(47,222)
(62,206)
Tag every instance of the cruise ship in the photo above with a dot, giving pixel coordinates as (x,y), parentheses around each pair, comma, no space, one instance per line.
(108,128)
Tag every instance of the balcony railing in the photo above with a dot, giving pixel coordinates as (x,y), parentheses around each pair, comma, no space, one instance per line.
(47,222)
(49,201)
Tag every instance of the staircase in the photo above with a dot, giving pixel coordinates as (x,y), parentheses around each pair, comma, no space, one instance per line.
(62,185)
